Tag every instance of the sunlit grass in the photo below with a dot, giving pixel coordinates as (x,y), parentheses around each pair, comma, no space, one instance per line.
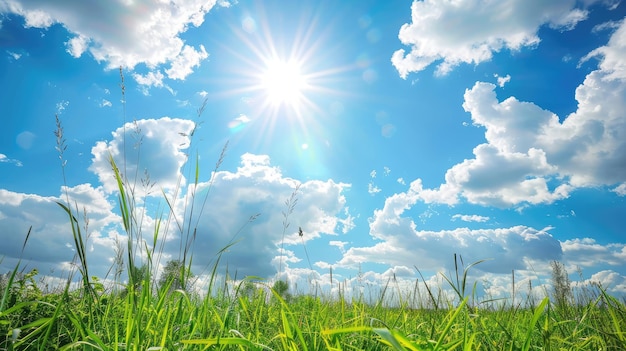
(248,315)
(138,310)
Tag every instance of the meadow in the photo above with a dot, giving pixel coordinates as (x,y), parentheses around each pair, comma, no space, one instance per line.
(250,315)
(146,304)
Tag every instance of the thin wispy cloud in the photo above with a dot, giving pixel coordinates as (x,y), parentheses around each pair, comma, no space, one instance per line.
(470,218)
(5,159)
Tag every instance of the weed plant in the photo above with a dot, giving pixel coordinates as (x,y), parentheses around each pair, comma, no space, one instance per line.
(165,314)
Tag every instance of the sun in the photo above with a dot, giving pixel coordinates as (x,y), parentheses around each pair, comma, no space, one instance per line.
(283,82)
(287,77)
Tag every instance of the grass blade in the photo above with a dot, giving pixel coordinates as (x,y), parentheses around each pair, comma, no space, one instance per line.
(536,315)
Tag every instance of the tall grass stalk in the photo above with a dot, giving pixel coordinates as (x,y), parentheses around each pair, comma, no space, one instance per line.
(290,204)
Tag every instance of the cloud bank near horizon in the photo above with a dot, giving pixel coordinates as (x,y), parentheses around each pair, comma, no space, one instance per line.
(247,206)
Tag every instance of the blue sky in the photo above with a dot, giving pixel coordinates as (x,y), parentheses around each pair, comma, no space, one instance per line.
(416,130)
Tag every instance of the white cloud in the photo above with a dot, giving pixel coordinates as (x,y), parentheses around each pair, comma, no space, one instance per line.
(470,31)
(151,79)
(499,179)
(183,64)
(257,187)
(620,189)
(610,4)
(61,106)
(373,189)
(77,46)
(322,265)
(586,252)
(341,245)
(605,26)
(587,146)
(613,282)
(502,80)
(34,18)
(611,56)
(508,248)
(402,244)
(401,181)
(105,103)
(16,56)
(226,3)
(470,218)
(183,103)
(50,246)
(161,143)
(531,157)
(347,222)
(124,33)
(238,122)
(5,159)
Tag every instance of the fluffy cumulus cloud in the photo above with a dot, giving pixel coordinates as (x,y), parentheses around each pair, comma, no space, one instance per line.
(50,246)
(612,55)
(470,31)
(148,147)
(525,250)
(183,64)
(249,207)
(612,281)
(587,252)
(124,33)
(402,244)
(533,157)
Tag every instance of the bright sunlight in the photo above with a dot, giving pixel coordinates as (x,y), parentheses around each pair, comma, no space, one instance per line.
(283,82)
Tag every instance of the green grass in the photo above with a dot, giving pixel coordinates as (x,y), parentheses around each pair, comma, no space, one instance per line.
(260,319)
(137,311)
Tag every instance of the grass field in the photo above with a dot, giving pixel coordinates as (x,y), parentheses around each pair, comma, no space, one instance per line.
(252,316)
(139,309)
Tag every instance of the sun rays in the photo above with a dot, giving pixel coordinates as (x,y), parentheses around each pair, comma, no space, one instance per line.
(286,78)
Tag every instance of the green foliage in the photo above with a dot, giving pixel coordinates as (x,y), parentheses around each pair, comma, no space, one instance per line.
(139,276)
(175,276)
(281,287)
